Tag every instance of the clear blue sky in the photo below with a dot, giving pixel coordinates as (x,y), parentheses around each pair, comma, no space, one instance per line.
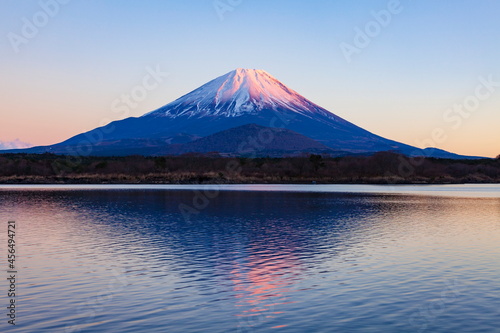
(427,58)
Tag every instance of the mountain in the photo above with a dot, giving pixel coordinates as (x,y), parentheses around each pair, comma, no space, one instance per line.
(238,98)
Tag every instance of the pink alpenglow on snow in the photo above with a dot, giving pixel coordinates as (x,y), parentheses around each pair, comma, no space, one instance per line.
(242,91)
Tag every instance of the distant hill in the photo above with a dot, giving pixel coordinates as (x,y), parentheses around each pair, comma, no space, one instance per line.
(256,140)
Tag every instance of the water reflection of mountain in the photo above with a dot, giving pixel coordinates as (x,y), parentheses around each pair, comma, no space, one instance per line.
(250,260)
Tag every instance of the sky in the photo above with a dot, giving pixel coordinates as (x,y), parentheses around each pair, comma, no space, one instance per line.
(425,73)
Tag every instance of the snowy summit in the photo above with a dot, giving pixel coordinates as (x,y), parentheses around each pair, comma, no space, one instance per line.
(240,92)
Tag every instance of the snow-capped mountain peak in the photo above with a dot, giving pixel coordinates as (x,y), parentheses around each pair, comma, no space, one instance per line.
(239,92)
(230,115)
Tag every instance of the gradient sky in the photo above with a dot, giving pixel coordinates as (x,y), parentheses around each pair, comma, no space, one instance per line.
(428,58)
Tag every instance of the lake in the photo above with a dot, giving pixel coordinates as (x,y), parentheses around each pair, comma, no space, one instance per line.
(253,258)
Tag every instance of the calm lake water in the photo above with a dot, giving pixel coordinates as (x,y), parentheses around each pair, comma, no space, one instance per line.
(254,258)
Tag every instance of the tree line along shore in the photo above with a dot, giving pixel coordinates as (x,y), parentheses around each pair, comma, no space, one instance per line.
(380,168)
